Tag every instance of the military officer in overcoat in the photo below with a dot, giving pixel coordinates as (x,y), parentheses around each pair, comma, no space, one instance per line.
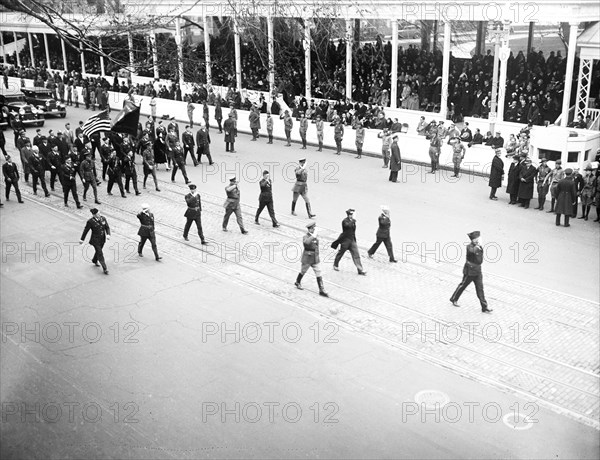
(100,233)
(347,242)
(566,197)
(229,128)
(395,160)
(146,231)
(310,258)
(203,144)
(496,174)
(11,178)
(300,188)
(472,272)
(266,199)
(232,205)
(512,185)
(527,175)
(193,213)
(383,234)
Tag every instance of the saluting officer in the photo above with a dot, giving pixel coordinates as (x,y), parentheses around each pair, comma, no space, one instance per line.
(100,233)
(472,272)
(301,188)
(146,231)
(266,199)
(232,205)
(193,213)
(310,258)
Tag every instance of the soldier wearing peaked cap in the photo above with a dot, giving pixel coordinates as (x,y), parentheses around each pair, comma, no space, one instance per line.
(300,188)
(310,258)
(146,231)
(472,272)
(193,213)
(347,242)
(232,205)
(100,233)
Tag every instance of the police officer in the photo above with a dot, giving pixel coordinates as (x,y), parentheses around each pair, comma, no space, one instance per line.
(472,272)
(301,188)
(232,205)
(146,231)
(100,233)
(193,213)
(383,234)
(266,199)
(310,258)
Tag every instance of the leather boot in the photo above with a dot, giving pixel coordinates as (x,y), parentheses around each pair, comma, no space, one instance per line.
(321,287)
(298,280)
(310,214)
(294,208)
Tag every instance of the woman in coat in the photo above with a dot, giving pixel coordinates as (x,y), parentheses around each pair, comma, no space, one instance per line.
(512,186)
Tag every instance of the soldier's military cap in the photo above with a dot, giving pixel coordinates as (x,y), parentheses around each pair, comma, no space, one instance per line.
(94,211)
(302,160)
(475,234)
(231,179)
(192,186)
(311,224)
(350,211)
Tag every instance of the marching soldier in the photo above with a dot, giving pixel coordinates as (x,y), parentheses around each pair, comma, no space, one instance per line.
(130,172)
(86,170)
(146,231)
(38,172)
(193,213)
(54,162)
(68,175)
(188,145)
(203,144)
(100,233)
(179,162)
(11,178)
(115,171)
(472,273)
(148,162)
(310,258)
(266,199)
(347,242)
(383,234)
(301,188)
(105,151)
(232,205)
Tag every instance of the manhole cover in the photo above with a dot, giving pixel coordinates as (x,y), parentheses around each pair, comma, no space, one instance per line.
(432,399)
(517,421)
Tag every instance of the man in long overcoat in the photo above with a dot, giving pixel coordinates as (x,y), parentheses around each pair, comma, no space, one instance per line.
(229,128)
(512,186)
(566,197)
(496,174)
(527,175)
(347,242)
(395,160)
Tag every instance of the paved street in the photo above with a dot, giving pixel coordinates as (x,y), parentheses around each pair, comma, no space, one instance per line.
(374,358)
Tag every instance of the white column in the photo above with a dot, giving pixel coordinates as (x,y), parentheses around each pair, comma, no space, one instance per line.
(131,55)
(445,70)
(154,54)
(394,76)
(238,55)
(31,50)
(2,45)
(494,101)
(64,54)
(569,74)
(82,58)
(349,39)
(178,41)
(307,69)
(48,66)
(271,56)
(17,52)
(504,53)
(207,52)
(102,72)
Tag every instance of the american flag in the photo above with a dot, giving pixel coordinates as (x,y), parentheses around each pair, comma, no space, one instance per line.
(96,123)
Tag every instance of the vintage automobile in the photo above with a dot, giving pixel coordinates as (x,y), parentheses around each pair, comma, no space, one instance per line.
(13,105)
(43,99)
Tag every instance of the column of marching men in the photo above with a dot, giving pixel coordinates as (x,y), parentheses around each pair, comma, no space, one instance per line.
(70,153)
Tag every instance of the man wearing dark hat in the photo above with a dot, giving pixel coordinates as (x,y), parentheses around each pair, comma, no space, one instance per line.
(26,154)
(301,188)
(496,174)
(472,273)
(526,179)
(68,175)
(229,128)
(130,172)
(232,205)
(100,233)
(395,160)
(383,234)
(115,173)
(11,178)
(37,139)
(266,199)
(179,162)
(435,145)
(203,144)
(193,213)
(553,179)
(542,185)
(86,170)
(512,185)
(38,171)
(566,197)
(347,242)
(54,161)
(146,231)
(310,258)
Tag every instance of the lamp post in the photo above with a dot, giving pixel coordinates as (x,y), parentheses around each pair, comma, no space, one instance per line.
(496,30)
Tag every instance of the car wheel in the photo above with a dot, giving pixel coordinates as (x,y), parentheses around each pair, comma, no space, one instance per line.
(41,123)
(63,115)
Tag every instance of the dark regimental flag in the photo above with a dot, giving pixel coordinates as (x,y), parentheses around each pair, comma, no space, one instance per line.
(128,119)
(97,123)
